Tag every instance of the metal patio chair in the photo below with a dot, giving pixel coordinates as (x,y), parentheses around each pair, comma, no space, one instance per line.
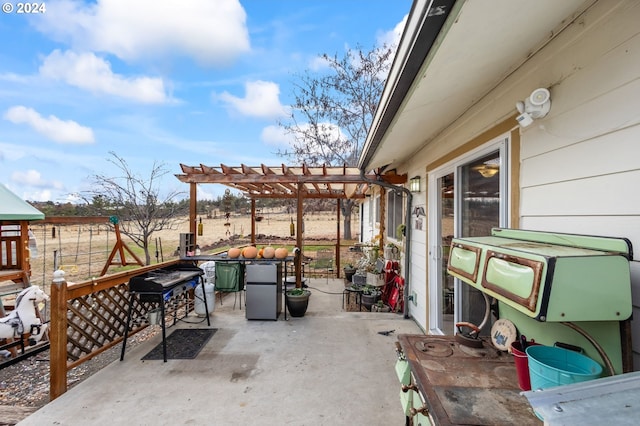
(323,262)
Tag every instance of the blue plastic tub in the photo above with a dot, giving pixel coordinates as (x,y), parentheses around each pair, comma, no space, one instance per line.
(551,366)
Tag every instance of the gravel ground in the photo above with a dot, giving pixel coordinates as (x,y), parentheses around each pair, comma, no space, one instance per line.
(26,384)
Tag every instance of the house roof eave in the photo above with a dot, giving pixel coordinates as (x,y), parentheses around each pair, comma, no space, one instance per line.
(424,24)
(476,50)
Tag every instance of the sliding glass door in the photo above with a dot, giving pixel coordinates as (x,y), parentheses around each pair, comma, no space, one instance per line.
(446,225)
(469,198)
(479,201)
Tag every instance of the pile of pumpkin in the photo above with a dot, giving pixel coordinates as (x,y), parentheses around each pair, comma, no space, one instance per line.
(252,252)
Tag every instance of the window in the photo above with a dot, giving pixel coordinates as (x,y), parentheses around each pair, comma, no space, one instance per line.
(394,215)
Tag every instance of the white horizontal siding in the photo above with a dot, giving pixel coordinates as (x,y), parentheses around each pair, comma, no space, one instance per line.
(608,195)
(595,89)
(580,166)
(615,152)
(418,286)
(367,233)
(417,282)
(370,227)
(608,226)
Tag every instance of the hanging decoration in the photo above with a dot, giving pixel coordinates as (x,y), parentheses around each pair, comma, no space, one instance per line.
(226,201)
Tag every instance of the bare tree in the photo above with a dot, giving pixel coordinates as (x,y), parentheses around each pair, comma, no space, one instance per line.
(333,110)
(137,202)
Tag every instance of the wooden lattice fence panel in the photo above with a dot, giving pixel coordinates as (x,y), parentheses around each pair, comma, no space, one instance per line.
(90,317)
(96,321)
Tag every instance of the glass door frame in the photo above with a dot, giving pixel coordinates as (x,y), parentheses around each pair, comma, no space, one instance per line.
(435,251)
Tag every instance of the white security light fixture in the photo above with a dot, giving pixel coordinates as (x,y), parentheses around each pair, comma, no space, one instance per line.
(536,106)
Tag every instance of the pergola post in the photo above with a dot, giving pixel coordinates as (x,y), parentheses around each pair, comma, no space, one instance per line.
(383,218)
(193,210)
(253,221)
(298,259)
(338,238)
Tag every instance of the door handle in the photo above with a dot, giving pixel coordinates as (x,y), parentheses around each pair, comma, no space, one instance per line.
(436,252)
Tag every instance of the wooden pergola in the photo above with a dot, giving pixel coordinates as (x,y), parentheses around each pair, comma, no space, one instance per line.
(284,182)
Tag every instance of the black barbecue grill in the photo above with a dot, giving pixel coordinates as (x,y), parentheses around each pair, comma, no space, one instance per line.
(161,286)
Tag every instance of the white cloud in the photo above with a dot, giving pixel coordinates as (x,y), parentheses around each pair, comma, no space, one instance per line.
(89,72)
(211,32)
(34,178)
(317,63)
(209,192)
(326,130)
(303,134)
(14,78)
(30,177)
(261,100)
(392,37)
(276,136)
(52,127)
(44,195)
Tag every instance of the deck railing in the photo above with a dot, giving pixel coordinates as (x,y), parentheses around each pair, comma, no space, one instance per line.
(88,318)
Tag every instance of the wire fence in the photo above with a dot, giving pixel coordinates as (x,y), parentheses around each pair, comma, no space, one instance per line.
(80,250)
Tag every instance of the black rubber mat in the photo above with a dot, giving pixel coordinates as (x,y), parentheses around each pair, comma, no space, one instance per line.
(184,343)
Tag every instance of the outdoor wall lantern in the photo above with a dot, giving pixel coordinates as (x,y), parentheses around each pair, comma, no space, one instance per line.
(414,184)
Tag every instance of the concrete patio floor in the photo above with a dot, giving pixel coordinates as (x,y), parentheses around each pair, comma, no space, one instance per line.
(330,367)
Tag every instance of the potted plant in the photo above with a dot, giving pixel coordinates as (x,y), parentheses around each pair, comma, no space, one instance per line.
(370,295)
(349,271)
(380,307)
(297,301)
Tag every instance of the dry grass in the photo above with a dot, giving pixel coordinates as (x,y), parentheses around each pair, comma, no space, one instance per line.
(82,250)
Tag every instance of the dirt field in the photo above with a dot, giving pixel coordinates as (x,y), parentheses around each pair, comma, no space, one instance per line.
(82,250)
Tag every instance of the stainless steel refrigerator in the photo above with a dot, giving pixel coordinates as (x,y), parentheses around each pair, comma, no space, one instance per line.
(264,291)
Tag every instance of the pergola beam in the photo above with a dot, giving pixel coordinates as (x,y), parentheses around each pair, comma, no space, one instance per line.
(285,182)
(288,178)
(313,195)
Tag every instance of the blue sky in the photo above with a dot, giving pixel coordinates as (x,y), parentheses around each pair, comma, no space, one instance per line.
(192,81)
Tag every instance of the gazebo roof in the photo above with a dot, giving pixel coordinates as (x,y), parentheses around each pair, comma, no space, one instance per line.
(13,207)
(283,181)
